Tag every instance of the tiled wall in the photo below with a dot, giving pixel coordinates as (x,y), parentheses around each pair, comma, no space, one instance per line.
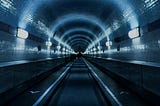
(14,48)
(144,48)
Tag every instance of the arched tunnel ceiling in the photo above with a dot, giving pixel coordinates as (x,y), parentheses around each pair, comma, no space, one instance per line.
(95,20)
(74,37)
(78,24)
(81,32)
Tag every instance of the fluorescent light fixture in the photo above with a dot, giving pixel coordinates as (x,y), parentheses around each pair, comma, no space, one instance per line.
(109,43)
(134,33)
(58,47)
(22,33)
(49,43)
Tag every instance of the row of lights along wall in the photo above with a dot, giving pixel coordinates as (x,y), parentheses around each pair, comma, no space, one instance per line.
(134,33)
(21,33)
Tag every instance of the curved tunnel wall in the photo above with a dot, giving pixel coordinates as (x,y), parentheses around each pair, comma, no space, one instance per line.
(116,20)
(144,48)
(13,48)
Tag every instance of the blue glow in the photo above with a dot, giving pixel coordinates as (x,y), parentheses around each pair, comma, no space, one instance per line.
(61,42)
(75,17)
(27,18)
(96,41)
(137,44)
(78,35)
(78,29)
(81,41)
(8,6)
(128,12)
(125,6)
(150,3)
(20,44)
(27,15)
(30,9)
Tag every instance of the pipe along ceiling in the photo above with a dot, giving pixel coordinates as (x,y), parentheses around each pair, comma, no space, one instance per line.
(76,24)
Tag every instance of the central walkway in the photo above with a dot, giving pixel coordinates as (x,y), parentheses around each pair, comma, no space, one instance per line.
(78,89)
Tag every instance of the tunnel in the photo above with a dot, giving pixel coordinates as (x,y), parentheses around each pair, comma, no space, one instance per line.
(79,53)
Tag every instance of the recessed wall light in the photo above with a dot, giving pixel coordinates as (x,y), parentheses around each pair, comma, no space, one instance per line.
(21,33)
